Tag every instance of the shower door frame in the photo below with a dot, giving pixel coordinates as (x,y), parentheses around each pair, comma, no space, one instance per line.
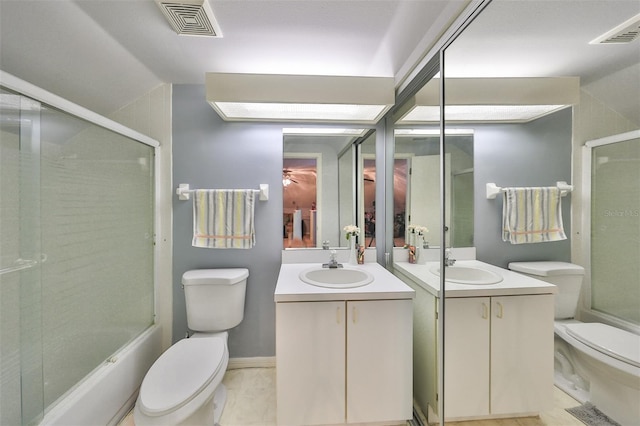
(587,313)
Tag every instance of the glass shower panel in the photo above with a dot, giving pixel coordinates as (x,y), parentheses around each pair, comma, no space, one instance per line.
(615,230)
(76,251)
(97,239)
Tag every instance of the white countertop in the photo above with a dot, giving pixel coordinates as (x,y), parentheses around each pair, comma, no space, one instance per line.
(513,283)
(290,288)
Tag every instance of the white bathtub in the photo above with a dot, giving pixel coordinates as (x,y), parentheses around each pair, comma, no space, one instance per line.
(595,372)
(111,390)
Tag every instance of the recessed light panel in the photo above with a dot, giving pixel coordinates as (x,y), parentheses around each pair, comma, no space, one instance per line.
(301,112)
(481,113)
(330,131)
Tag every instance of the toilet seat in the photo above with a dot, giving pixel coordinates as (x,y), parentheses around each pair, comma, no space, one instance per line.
(617,343)
(180,374)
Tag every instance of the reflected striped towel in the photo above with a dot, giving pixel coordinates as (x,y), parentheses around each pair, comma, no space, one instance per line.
(532,215)
(223,218)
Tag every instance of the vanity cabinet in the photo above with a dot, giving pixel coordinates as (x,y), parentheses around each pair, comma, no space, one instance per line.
(343,362)
(498,355)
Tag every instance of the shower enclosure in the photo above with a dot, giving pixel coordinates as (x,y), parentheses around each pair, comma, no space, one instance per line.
(613,181)
(76,249)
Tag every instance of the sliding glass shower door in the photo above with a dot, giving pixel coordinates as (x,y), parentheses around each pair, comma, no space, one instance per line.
(76,251)
(615,228)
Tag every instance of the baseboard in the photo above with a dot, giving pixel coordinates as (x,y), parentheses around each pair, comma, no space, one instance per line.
(252,362)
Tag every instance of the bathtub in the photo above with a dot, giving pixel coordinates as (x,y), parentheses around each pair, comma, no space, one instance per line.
(601,364)
(110,391)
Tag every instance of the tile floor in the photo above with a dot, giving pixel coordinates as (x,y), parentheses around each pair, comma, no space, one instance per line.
(251,401)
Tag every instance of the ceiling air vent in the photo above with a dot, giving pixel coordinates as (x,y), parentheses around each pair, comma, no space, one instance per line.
(190,17)
(622,34)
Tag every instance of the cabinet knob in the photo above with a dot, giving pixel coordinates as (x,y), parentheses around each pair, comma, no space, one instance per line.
(485,311)
(500,310)
(354,315)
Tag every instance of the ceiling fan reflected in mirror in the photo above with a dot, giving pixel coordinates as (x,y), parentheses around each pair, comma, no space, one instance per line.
(286,178)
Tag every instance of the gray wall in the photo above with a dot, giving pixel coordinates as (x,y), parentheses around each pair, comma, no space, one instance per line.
(532,154)
(211,153)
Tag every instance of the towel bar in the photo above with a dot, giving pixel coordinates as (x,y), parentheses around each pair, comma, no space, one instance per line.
(493,190)
(184,193)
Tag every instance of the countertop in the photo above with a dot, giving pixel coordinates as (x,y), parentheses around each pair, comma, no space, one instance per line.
(290,288)
(512,284)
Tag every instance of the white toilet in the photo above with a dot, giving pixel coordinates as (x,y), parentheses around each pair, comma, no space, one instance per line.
(184,385)
(594,362)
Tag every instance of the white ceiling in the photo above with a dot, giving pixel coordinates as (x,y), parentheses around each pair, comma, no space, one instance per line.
(103,54)
(550,38)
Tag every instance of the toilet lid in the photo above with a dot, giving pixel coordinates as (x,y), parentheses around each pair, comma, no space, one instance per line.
(180,373)
(617,343)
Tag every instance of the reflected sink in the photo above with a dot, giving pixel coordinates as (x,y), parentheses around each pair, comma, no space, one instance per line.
(468,275)
(336,277)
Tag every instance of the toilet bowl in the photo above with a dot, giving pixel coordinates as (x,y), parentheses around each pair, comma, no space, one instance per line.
(184,385)
(593,361)
(180,387)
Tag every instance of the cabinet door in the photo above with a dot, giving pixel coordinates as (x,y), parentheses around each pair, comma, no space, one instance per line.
(522,353)
(379,361)
(310,363)
(466,357)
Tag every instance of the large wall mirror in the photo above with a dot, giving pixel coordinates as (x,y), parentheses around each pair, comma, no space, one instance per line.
(533,83)
(321,179)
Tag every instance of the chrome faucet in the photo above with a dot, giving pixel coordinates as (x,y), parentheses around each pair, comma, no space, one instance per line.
(448,260)
(333,262)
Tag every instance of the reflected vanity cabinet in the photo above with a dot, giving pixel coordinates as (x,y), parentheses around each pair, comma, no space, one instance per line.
(344,362)
(498,356)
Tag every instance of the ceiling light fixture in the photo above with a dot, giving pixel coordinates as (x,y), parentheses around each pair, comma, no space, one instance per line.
(325,131)
(276,97)
(431,132)
(507,100)
(482,113)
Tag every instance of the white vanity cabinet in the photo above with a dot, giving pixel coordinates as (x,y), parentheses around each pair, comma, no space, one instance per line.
(498,355)
(344,362)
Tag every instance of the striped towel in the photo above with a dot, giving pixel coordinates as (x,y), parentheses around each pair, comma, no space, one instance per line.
(223,218)
(532,215)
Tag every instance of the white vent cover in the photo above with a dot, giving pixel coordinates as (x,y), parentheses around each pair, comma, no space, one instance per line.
(190,17)
(622,34)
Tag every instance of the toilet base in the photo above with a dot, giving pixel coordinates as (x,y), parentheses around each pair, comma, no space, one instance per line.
(219,401)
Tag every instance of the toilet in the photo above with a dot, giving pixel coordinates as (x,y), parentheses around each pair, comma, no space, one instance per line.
(184,385)
(593,361)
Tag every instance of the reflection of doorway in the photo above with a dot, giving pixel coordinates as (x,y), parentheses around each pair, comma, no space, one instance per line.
(368,218)
(400,173)
(300,201)
(424,188)
(400,169)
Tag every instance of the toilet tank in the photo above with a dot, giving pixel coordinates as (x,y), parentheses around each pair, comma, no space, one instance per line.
(214,298)
(566,276)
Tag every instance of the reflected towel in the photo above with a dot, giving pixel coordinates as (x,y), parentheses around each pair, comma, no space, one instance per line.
(223,218)
(532,215)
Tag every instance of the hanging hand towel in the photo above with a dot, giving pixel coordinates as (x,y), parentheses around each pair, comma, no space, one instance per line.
(532,215)
(223,218)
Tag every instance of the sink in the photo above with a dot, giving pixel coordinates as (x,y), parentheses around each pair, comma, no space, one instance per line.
(336,277)
(468,275)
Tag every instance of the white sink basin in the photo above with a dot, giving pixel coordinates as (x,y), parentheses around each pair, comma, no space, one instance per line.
(468,275)
(336,277)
